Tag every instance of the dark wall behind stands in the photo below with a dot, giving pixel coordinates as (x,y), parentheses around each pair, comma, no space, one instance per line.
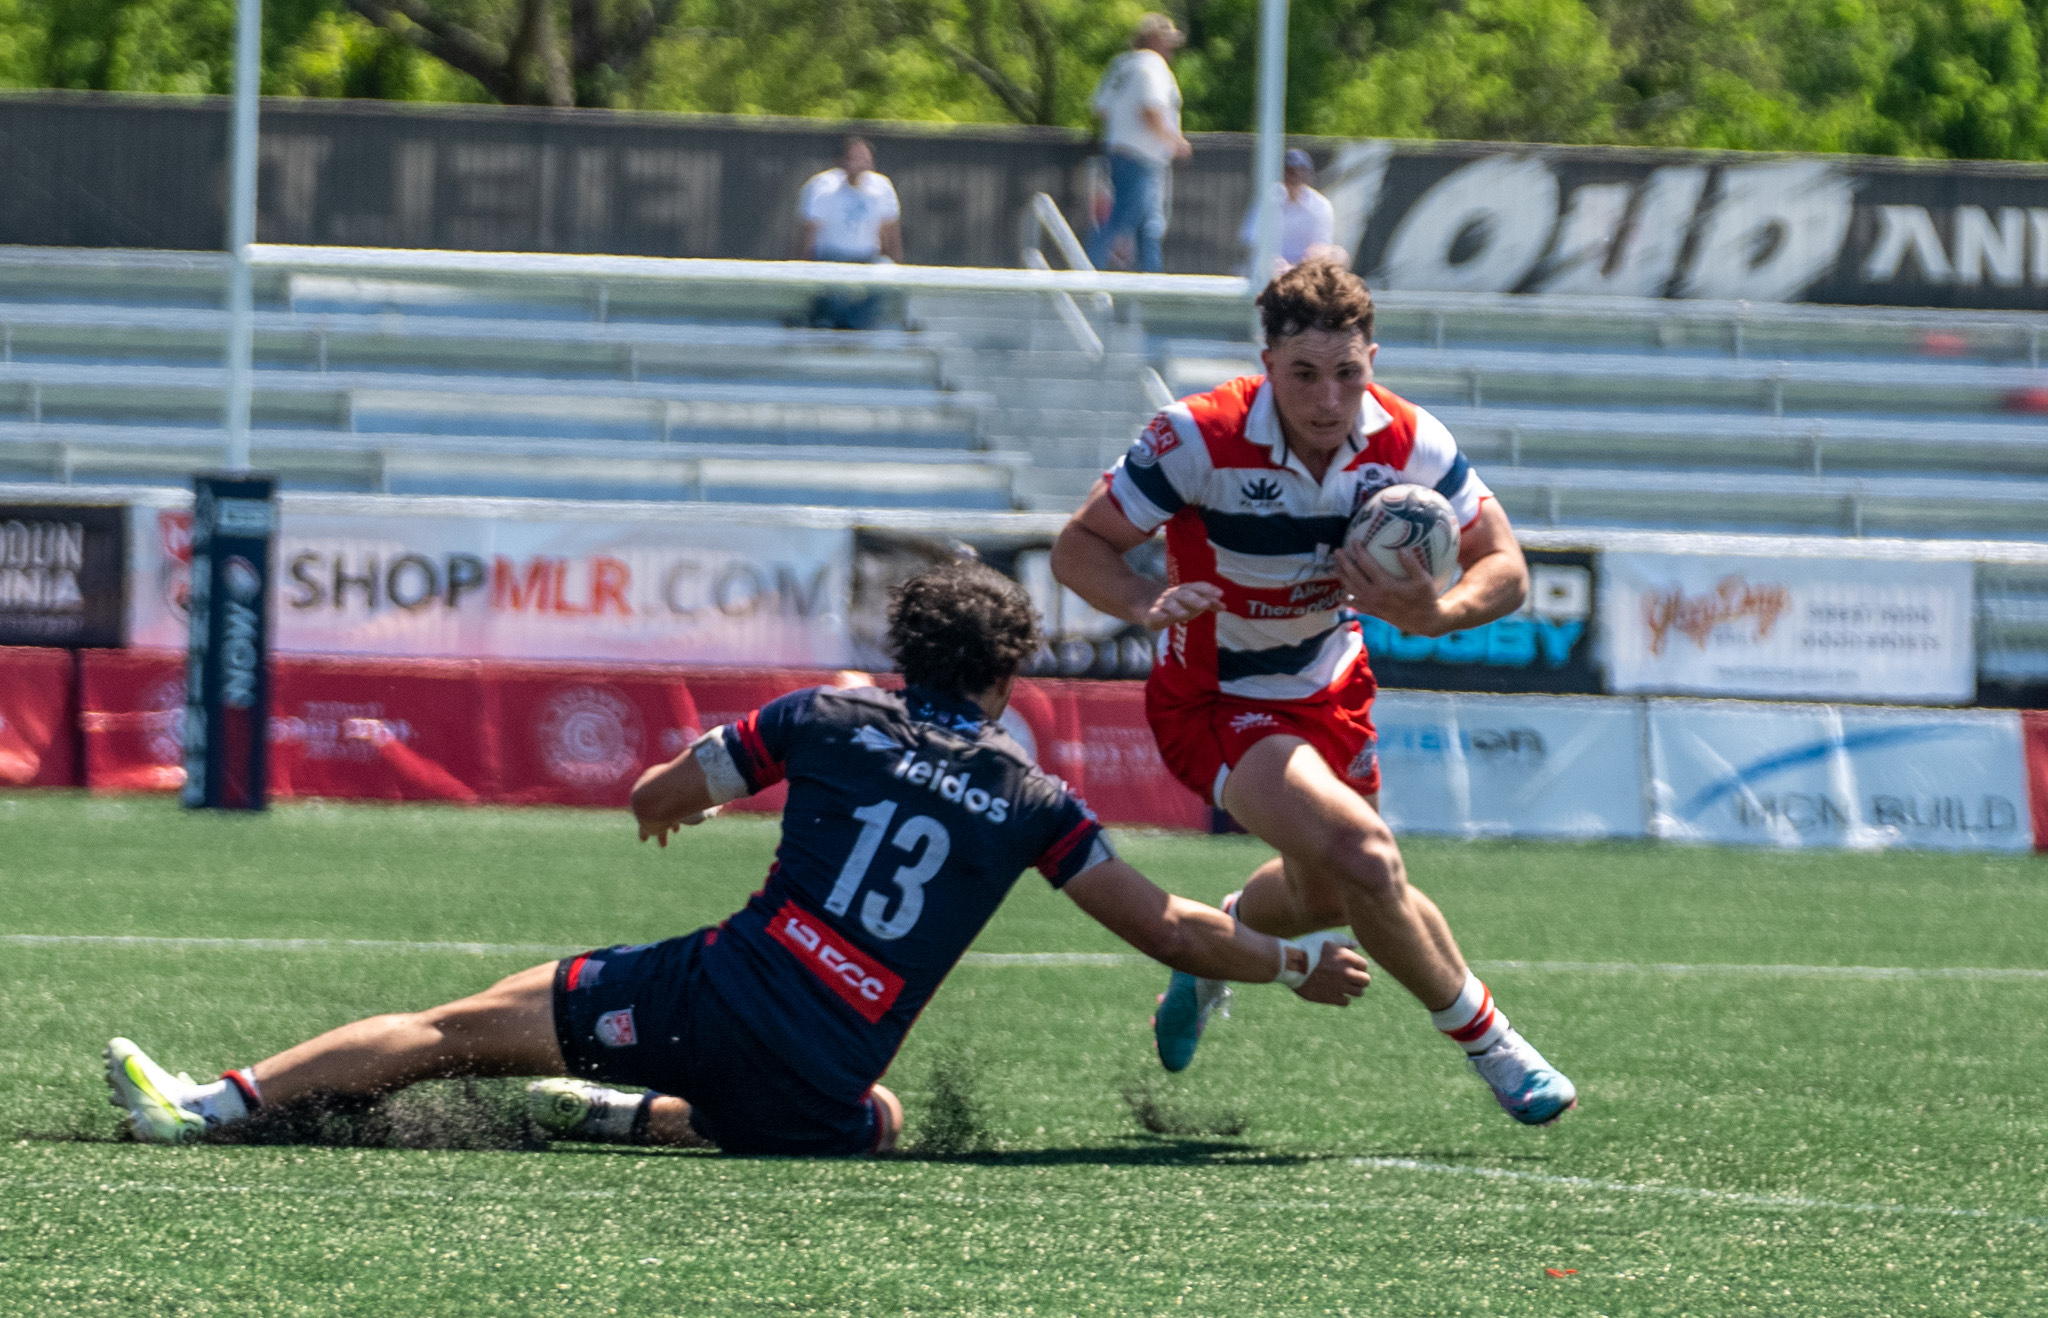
(97,170)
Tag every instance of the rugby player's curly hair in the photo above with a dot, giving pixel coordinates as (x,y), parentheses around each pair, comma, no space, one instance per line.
(1321,294)
(961,628)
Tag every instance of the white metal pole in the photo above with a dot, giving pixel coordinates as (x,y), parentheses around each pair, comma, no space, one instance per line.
(1272,128)
(242,228)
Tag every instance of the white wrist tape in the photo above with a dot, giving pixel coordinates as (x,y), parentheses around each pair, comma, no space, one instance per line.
(1311,946)
(721,775)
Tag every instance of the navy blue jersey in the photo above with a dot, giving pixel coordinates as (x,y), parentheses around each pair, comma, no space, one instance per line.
(910,816)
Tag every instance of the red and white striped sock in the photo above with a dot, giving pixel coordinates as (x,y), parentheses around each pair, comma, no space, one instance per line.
(1472,1022)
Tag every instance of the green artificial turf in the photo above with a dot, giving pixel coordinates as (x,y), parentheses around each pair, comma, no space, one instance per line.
(1751,1141)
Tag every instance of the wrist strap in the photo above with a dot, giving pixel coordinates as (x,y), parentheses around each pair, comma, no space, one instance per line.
(1293,979)
(1311,946)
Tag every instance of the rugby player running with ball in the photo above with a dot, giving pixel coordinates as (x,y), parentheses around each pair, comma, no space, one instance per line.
(911,814)
(1261,698)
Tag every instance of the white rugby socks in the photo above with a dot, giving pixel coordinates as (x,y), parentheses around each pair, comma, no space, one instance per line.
(1472,1022)
(616,1117)
(231,1098)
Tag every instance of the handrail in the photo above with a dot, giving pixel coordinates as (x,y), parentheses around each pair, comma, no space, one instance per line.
(1046,213)
(1084,335)
(803,274)
(1157,395)
(1043,214)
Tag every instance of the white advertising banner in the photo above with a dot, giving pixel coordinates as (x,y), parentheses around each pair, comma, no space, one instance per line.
(1818,775)
(596,586)
(1868,629)
(1521,766)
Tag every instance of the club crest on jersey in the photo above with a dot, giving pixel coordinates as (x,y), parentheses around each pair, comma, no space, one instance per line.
(615,1029)
(1372,478)
(1262,492)
(1156,441)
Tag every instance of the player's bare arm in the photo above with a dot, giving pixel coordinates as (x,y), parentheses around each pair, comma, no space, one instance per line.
(674,795)
(1202,940)
(1088,558)
(1494,583)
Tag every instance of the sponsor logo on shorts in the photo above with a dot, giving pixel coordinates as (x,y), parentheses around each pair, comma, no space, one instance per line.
(1247,721)
(615,1029)
(868,986)
(1366,763)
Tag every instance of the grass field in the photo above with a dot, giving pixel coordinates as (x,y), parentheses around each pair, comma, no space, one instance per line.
(1754,1138)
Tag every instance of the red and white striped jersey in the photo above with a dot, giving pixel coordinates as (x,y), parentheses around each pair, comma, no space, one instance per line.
(1242,511)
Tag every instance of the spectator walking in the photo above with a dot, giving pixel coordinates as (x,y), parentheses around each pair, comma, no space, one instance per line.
(1138,102)
(1307,223)
(849,213)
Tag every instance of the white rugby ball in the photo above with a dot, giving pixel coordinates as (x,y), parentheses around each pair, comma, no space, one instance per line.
(1408,517)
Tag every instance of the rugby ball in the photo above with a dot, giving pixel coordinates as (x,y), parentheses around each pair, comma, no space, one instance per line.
(1408,517)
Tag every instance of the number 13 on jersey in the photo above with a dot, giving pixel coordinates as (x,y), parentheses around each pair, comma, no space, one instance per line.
(909,878)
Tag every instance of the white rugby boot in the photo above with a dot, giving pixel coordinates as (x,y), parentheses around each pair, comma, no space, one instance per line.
(163,1108)
(1531,1090)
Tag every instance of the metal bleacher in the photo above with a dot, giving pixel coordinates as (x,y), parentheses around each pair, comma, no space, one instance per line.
(110,372)
(449,374)
(1601,412)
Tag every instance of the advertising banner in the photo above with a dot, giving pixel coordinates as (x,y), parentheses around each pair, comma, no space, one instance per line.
(1614,221)
(227,678)
(37,738)
(63,575)
(589,586)
(2035,723)
(1509,766)
(1818,775)
(1548,645)
(1875,630)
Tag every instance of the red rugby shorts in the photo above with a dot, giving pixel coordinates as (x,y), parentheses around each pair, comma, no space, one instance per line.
(1203,738)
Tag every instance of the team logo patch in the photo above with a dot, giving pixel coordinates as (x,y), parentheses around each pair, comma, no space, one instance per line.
(1156,441)
(1372,478)
(1261,492)
(589,736)
(1247,721)
(615,1029)
(1366,763)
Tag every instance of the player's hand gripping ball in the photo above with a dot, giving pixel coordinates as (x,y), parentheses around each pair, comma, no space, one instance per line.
(1408,517)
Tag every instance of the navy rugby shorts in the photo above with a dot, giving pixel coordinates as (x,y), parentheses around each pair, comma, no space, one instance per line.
(646,1016)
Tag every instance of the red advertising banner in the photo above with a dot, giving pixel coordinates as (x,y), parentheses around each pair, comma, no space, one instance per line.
(484,731)
(391,730)
(131,709)
(580,736)
(36,740)
(2035,723)
(1101,744)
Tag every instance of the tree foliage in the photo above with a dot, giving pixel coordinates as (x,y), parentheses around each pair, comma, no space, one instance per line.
(1945,78)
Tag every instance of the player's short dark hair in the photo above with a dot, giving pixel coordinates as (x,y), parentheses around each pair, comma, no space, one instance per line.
(1320,293)
(960,628)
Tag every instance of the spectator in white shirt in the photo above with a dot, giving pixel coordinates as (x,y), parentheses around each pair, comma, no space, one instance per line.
(849,213)
(1307,224)
(1138,102)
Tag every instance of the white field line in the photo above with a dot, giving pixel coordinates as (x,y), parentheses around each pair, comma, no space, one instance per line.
(493,1191)
(1034,958)
(1735,1198)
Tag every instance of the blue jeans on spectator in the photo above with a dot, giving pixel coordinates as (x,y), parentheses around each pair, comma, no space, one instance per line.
(1139,210)
(845,308)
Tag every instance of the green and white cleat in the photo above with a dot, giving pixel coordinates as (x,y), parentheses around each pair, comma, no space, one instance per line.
(161,1106)
(561,1106)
